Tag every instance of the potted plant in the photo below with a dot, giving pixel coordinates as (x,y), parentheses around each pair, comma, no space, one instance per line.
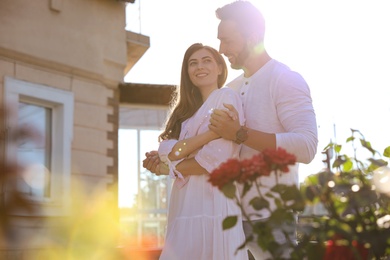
(354,195)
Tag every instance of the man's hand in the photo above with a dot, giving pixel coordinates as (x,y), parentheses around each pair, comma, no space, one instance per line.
(151,162)
(225,123)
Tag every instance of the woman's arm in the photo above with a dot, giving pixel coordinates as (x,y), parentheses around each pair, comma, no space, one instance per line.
(185,147)
(186,167)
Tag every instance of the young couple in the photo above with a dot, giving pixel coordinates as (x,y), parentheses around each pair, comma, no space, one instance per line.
(268,106)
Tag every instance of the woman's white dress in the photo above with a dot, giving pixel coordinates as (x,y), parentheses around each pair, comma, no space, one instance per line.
(196,208)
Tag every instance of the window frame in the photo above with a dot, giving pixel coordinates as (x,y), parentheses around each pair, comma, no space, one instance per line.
(139,215)
(61,103)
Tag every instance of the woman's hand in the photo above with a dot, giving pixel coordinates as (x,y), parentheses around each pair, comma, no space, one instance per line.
(151,162)
(163,169)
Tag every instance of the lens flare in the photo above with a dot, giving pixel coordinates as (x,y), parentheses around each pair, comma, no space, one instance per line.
(381,179)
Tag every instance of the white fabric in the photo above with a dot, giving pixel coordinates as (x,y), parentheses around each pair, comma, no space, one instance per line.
(197,209)
(277,100)
(164,149)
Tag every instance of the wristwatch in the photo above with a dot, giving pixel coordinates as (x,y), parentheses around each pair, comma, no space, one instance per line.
(241,135)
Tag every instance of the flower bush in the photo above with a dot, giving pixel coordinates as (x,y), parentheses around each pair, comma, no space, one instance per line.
(354,196)
(288,198)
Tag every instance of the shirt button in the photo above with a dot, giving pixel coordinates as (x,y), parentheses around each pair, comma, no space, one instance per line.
(246,82)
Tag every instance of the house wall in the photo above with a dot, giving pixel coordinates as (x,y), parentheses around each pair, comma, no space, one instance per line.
(77,46)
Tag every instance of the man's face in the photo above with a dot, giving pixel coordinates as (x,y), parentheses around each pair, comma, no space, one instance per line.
(232,44)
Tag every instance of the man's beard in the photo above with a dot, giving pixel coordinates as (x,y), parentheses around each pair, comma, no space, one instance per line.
(240,59)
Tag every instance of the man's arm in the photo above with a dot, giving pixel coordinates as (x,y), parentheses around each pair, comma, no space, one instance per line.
(190,167)
(222,123)
(295,113)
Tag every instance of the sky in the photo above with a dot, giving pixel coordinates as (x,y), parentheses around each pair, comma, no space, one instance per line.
(341,48)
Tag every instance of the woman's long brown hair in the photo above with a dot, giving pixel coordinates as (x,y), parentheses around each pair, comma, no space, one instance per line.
(188,99)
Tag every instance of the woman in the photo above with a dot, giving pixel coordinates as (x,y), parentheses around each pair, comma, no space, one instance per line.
(197,209)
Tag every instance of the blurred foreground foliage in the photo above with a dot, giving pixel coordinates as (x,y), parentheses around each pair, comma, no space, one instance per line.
(90,230)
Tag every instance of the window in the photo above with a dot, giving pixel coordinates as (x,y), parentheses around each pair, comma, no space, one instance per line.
(49,112)
(36,156)
(143,196)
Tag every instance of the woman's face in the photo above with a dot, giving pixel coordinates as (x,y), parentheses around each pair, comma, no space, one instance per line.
(203,71)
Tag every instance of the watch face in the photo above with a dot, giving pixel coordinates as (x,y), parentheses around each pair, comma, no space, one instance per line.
(241,135)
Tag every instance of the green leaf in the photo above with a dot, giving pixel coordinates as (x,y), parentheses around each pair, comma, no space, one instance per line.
(357,131)
(247,187)
(324,177)
(311,179)
(347,165)
(386,152)
(337,148)
(229,190)
(298,205)
(367,145)
(247,240)
(329,146)
(376,163)
(292,194)
(229,222)
(338,162)
(289,192)
(281,219)
(278,188)
(259,203)
(311,192)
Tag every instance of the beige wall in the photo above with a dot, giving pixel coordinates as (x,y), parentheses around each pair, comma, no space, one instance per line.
(78,46)
(84,37)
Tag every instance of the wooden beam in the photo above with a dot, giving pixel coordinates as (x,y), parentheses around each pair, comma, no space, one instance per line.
(145,94)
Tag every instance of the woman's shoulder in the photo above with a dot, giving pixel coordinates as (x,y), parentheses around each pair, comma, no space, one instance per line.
(227,91)
(226,95)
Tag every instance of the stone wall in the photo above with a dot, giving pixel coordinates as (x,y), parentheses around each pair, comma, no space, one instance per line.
(77,46)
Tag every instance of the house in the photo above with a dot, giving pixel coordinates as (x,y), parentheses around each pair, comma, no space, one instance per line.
(61,64)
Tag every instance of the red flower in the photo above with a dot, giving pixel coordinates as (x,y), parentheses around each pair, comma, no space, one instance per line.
(249,170)
(279,159)
(253,168)
(344,252)
(227,172)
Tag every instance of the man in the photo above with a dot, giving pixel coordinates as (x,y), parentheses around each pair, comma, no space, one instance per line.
(277,103)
